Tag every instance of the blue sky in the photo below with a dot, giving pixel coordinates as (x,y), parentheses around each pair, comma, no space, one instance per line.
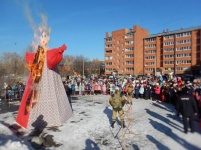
(82,24)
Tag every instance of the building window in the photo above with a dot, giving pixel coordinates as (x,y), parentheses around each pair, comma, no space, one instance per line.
(168,43)
(129,55)
(108,69)
(184,41)
(108,46)
(149,63)
(129,49)
(183,34)
(109,51)
(150,57)
(150,52)
(108,57)
(108,39)
(149,69)
(184,55)
(169,50)
(169,56)
(129,42)
(168,37)
(178,62)
(150,39)
(150,45)
(183,48)
(129,69)
(168,62)
(129,62)
(108,63)
(129,35)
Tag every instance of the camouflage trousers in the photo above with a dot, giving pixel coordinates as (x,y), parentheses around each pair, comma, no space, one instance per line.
(118,111)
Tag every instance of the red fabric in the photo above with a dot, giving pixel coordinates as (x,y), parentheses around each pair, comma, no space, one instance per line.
(179,82)
(198,98)
(54,56)
(29,57)
(157,90)
(22,118)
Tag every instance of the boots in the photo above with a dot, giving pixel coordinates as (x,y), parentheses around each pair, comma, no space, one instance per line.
(123,124)
(112,125)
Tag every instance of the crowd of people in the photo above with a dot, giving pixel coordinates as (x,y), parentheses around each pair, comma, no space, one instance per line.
(155,88)
(12,92)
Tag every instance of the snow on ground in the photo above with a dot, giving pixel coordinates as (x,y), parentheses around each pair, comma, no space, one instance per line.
(155,126)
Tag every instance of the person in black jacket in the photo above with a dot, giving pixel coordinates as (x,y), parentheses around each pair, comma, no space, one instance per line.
(186,105)
(147,92)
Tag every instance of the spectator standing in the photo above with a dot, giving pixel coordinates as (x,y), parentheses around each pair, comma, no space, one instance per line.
(9,94)
(137,88)
(157,91)
(76,89)
(147,92)
(141,90)
(82,88)
(104,89)
(198,98)
(73,88)
(20,90)
(187,106)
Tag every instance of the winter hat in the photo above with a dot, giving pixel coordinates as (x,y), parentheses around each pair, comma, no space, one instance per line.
(116,88)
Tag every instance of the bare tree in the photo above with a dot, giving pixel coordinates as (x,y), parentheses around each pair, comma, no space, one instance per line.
(12,63)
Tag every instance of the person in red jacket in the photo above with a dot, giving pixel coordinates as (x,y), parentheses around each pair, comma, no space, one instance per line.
(157,91)
(198,98)
(179,81)
(44,102)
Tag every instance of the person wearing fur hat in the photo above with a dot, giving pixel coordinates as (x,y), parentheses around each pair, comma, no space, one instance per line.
(117,101)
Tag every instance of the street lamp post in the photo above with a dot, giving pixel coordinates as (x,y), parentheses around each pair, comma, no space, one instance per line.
(83,68)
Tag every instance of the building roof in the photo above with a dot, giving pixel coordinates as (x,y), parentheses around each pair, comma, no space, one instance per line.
(166,32)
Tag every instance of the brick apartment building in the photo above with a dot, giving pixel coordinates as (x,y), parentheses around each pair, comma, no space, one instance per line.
(124,51)
(134,51)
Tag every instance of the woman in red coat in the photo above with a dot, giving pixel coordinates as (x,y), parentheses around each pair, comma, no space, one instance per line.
(157,91)
(44,102)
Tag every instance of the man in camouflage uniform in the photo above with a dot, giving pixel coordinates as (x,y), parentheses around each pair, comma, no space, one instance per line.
(117,101)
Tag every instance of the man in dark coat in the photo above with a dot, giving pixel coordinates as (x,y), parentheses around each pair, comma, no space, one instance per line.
(186,105)
(147,92)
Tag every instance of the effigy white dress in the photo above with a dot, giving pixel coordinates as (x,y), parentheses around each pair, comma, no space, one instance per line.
(52,108)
